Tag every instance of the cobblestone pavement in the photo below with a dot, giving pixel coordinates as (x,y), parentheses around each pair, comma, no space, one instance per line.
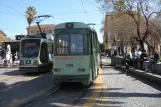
(129,91)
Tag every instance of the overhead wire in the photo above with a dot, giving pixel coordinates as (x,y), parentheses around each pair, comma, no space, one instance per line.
(11,13)
(11,8)
(52,14)
(75,12)
(24,3)
(84,11)
(93,4)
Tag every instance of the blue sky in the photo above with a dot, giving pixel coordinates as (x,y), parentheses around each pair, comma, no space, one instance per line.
(13,21)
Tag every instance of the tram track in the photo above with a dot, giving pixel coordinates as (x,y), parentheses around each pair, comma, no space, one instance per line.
(81,96)
(45,94)
(50,92)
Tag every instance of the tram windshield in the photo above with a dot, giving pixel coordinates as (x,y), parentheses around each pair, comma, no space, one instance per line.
(30,48)
(71,44)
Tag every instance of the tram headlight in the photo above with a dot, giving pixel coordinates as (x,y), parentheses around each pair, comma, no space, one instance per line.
(81,69)
(21,62)
(56,70)
(35,62)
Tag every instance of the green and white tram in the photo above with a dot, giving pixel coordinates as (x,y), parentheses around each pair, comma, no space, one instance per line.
(36,53)
(77,53)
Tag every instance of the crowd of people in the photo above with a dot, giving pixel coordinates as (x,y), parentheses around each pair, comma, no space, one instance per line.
(132,59)
(11,58)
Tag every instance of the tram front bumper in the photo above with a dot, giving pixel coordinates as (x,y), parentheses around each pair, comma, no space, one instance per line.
(72,78)
(28,69)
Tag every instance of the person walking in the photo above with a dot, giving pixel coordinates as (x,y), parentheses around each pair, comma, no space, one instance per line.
(128,60)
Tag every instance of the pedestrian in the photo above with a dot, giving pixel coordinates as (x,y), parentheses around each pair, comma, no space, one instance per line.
(153,60)
(143,57)
(135,57)
(7,58)
(13,58)
(115,52)
(128,60)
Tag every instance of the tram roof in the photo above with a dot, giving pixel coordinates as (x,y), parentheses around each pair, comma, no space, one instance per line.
(76,25)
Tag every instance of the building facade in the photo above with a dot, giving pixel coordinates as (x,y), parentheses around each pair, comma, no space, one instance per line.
(45,28)
(3,36)
(113,35)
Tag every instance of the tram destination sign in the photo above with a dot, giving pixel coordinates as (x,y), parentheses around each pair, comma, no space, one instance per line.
(69,58)
(30,44)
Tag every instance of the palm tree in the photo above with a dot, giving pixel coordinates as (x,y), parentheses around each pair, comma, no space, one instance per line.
(30,15)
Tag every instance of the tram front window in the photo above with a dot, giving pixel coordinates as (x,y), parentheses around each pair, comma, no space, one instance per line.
(74,44)
(30,48)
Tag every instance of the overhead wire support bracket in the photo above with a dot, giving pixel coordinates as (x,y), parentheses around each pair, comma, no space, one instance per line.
(38,20)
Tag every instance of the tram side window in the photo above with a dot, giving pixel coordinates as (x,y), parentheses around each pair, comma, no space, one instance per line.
(86,44)
(44,53)
(62,44)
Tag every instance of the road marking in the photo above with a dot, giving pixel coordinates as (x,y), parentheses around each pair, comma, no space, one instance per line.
(6,77)
(23,100)
(97,90)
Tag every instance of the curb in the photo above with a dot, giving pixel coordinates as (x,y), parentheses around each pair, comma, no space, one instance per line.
(147,75)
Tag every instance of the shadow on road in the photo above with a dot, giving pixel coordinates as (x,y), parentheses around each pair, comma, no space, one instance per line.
(22,89)
(17,73)
(144,80)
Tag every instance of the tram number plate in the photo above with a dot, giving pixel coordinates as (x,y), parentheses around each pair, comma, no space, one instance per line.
(69,65)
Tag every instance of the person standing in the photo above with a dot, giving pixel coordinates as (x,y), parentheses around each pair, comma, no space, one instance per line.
(135,58)
(143,57)
(153,60)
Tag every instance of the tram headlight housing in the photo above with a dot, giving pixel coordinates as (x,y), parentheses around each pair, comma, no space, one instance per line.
(21,62)
(56,70)
(81,69)
(35,62)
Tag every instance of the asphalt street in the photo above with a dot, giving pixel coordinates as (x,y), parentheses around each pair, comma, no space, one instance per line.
(112,88)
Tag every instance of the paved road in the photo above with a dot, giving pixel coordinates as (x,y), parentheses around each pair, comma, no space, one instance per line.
(128,90)
(119,90)
(16,88)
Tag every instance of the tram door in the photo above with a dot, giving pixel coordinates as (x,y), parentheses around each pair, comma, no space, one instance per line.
(92,55)
(44,53)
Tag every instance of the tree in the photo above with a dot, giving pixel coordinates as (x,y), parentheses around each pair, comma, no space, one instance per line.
(133,8)
(121,28)
(30,15)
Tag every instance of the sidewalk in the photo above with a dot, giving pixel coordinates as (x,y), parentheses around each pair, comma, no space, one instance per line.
(7,66)
(147,75)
